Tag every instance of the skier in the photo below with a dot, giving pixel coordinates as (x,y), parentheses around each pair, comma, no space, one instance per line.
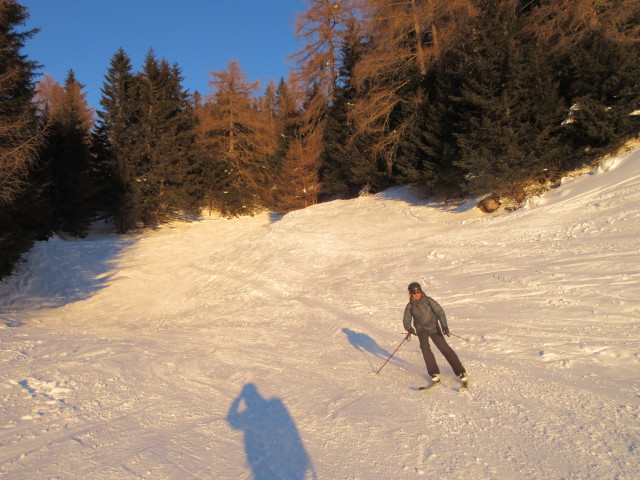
(426,313)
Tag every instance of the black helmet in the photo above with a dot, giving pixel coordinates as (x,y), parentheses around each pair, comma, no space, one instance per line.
(414,287)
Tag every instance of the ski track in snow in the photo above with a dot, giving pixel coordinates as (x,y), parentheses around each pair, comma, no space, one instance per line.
(247,348)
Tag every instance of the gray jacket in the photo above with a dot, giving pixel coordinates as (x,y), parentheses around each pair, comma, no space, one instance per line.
(425,313)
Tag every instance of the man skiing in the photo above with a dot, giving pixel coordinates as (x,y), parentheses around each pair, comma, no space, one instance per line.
(426,313)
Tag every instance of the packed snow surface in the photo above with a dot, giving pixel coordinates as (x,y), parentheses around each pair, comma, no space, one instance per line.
(248,348)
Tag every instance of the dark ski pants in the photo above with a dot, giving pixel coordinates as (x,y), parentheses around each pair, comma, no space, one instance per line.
(448,353)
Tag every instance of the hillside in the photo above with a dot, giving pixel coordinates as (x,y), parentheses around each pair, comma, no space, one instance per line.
(247,348)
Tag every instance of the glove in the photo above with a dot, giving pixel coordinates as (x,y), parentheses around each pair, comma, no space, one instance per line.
(411,331)
(445,331)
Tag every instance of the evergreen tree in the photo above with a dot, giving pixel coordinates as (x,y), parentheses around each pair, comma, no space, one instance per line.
(165,164)
(508,109)
(68,157)
(345,170)
(600,78)
(20,136)
(21,185)
(119,122)
(105,193)
(403,40)
(438,122)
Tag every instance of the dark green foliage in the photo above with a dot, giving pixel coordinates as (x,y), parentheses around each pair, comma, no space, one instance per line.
(148,136)
(438,120)
(17,70)
(24,218)
(68,158)
(119,119)
(507,108)
(496,108)
(105,186)
(601,78)
(165,167)
(339,157)
(410,164)
(488,116)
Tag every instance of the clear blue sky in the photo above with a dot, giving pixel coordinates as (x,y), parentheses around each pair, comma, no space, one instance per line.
(200,35)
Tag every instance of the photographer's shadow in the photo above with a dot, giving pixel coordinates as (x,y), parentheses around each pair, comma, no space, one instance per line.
(272,443)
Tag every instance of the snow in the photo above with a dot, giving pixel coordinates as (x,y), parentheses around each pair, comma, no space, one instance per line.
(247,348)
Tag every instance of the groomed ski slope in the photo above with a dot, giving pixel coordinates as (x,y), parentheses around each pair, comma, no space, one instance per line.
(246,348)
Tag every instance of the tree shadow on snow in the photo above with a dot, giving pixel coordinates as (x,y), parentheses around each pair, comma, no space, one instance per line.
(415,197)
(365,344)
(272,443)
(60,271)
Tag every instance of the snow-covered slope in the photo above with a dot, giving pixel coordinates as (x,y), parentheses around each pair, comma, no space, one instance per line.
(247,348)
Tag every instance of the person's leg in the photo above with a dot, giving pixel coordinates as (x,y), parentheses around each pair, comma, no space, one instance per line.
(429,359)
(448,353)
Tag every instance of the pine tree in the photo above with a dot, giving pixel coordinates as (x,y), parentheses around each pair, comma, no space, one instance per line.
(67,155)
(600,78)
(344,170)
(119,121)
(21,135)
(165,161)
(508,106)
(402,41)
(438,123)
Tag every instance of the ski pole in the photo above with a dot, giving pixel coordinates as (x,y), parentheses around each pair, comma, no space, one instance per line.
(394,352)
(465,339)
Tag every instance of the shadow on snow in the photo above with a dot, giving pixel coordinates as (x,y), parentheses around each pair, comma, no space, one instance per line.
(58,272)
(365,344)
(272,443)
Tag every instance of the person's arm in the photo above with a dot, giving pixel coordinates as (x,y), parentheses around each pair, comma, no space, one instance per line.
(442,317)
(406,320)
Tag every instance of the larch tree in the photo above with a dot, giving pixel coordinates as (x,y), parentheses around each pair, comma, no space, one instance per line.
(268,108)
(402,39)
(20,134)
(297,183)
(237,141)
(288,104)
(561,24)
(322,29)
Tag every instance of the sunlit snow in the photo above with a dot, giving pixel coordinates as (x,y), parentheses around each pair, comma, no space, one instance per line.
(247,348)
